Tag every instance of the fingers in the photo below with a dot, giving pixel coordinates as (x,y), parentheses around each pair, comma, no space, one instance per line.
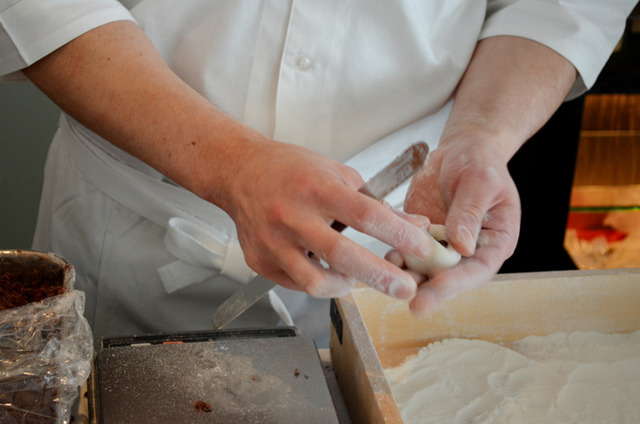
(432,294)
(349,258)
(317,280)
(468,208)
(478,199)
(352,259)
(381,221)
(493,248)
(419,221)
(349,263)
(299,268)
(303,272)
(395,258)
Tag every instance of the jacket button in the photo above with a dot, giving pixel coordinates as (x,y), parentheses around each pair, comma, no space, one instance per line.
(304,63)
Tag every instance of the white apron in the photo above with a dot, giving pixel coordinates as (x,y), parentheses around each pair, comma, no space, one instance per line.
(149,261)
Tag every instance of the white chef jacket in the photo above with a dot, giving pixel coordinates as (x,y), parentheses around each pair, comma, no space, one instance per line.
(354,80)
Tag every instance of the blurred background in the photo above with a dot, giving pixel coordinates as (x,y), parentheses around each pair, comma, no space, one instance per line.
(28,120)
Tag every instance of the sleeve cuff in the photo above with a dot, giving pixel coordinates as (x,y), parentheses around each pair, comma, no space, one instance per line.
(585,33)
(31,29)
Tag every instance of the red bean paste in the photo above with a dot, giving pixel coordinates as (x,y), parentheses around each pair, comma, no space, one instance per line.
(29,279)
(203,406)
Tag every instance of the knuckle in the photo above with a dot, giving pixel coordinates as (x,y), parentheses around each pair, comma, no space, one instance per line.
(399,237)
(353,177)
(335,251)
(311,284)
(381,282)
(367,218)
(276,213)
(305,183)
(489,173)
(475,211)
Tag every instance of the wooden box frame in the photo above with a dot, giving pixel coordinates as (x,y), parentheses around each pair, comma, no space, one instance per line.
(371,331)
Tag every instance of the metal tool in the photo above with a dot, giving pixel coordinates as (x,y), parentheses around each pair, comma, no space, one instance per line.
(381,184)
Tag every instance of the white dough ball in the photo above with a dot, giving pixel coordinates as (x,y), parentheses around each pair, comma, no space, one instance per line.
(442,257)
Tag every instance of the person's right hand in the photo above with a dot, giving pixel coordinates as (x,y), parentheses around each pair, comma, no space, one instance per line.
(283,202)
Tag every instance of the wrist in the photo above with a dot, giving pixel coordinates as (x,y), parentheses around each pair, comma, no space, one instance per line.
(222,154)
(479,130)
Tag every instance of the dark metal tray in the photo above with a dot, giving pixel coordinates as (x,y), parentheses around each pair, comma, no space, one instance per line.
(245,376)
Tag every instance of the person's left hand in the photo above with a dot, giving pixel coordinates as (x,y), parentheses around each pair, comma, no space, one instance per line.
(466,186)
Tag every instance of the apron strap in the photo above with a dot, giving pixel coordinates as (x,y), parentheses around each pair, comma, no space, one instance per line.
(202,251)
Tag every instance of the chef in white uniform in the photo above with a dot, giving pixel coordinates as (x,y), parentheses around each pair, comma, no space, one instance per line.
(204,141)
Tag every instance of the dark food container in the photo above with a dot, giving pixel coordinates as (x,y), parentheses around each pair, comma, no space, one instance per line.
(45,342)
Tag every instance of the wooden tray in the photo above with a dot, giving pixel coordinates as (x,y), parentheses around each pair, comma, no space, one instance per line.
(371,331)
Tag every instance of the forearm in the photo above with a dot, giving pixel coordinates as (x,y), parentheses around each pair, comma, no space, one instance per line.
(113,81)
(510,89)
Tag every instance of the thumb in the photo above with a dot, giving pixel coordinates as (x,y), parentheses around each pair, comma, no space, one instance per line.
(473,197)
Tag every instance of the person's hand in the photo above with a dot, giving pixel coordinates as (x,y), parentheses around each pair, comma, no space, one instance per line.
(283,203)
(466,186)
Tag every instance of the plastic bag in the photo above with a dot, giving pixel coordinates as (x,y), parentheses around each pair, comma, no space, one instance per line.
(46,350)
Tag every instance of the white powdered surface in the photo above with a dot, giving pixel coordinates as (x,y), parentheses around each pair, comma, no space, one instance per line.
(576,377)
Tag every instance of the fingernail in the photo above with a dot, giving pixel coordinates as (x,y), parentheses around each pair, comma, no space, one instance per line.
(465,237)
(423,313)
(427,305)
(402,288)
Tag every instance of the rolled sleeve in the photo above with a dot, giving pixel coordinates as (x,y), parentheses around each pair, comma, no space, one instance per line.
(585,32)
(31,29)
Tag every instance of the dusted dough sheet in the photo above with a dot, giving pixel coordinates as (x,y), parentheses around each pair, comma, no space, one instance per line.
(579,377)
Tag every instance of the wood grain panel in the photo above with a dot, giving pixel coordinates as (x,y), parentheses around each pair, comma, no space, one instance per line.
(608,159)
(609,147)
(611,112)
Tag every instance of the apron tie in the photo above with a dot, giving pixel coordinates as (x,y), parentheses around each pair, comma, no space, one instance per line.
(203,252)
